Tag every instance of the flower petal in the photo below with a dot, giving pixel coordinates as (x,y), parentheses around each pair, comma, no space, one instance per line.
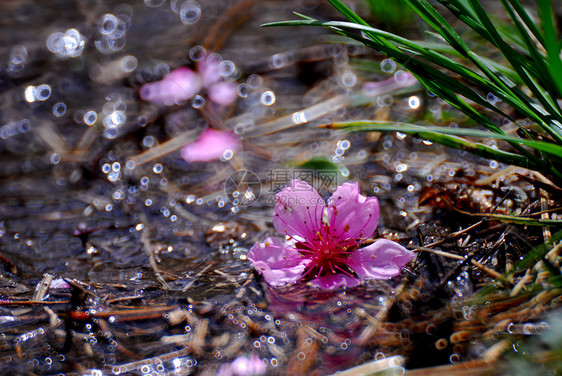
(381,260)
(298,211)
(208,69)
(278,264)
(210,146)
(351,215)
(223,93)
(334,281)
(178,86)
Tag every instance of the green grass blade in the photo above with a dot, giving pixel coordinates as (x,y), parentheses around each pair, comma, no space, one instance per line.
(369,125)
(529,23)
(550,42)
(537,253)
(448,137)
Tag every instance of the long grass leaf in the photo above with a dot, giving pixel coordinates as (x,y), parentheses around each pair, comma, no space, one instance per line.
(550,42)
(448,137)
(368,125)
(529,23)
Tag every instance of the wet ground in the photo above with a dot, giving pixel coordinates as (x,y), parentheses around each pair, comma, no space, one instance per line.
(143,256)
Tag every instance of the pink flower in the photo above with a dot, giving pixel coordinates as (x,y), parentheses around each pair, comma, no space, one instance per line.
(243,366)
(324,245)
(178,86)
(219,91)
(211,145)
(401,79)
(183,83)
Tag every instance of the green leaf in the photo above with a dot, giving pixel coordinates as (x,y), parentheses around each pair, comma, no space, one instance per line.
(368,125)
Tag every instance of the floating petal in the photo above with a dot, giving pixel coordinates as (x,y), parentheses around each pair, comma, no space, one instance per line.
(278,264)
(298,211)
(381,260)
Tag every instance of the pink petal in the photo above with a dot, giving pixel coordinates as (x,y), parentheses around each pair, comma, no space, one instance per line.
(381,260)
(59,283)
(243,366)
(210,146)
(209,70)
(334,281)
(400,80)
(352,215)
(177,87)
(298,211)
(278,264)
(224,93)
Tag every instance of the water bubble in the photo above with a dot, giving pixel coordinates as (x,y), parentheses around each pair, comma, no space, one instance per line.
(37,93)
(59,109)
(142,120)
(388,65)
(349,79)
(190,12)
(227,155)
(113,176)
(197,53)
(129,63)
(227,68)
(148,202)
(145,180)
(154,4)
(242,90)
(301,356)
(69,44)
(255,81)
(414,102)
(108,24)
(341,59)
(23,125)
(198,101)
(90,117)
(42,92)
(278,61)
(267,98)
(384,100)
(115,167)
(114,119)
(148,141)
(157,168)
(18,55)
(401,76)
(55,158)
(492,99)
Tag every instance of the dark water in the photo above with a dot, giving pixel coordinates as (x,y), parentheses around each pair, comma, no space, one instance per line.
(153,247)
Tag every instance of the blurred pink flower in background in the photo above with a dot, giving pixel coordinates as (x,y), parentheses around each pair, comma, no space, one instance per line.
(183,83)
(211,145)
(243,366)
(178,86)
(401,79)
(324,240)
